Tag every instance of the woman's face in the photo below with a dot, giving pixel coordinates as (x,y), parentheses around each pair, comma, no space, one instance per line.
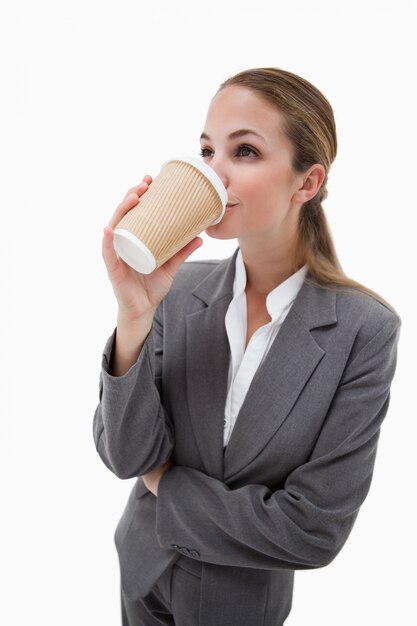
(255,168)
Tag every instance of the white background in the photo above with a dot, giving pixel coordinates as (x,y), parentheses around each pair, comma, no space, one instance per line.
(95,94)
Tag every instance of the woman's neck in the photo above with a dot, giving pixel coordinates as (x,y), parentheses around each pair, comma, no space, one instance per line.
(266,267)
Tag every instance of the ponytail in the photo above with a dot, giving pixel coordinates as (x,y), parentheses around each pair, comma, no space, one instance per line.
(315,248)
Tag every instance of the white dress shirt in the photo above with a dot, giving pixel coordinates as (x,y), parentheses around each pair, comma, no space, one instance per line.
(244,363)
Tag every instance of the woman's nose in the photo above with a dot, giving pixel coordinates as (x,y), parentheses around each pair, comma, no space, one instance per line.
(221,170)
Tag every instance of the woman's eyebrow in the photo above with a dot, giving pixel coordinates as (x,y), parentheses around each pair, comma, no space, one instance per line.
(237,133)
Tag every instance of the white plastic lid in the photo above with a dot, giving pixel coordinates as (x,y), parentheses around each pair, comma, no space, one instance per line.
(133,251)
(211,175)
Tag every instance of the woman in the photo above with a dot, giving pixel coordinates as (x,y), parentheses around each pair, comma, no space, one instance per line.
(246,394)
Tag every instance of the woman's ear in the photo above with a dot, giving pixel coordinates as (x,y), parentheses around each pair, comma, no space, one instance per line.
(311,182)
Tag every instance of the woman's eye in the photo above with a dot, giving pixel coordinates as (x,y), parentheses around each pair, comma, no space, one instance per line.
(247,149)
(244,151)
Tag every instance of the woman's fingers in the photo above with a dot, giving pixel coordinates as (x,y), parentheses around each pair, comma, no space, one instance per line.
(130,200)
(173,264)
(138,188)
(109,255)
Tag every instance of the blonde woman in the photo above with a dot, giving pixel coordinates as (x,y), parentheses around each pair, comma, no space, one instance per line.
(246,394)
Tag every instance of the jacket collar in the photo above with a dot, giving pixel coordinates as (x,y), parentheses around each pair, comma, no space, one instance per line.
(314,305)
(219,283)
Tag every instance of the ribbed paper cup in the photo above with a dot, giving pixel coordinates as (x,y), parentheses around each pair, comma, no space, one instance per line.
(185,198)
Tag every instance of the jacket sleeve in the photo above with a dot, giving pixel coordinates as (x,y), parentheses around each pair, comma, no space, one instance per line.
(131,430)
(305,524)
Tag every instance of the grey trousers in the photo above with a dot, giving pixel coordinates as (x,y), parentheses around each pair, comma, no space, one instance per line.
(174,600)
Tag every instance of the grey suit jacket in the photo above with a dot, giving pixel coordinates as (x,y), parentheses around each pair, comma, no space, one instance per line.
(285,493)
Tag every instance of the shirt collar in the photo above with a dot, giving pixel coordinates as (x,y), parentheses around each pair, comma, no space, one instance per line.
(280,297)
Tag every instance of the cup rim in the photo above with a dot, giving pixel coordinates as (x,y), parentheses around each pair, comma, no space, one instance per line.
(133,251)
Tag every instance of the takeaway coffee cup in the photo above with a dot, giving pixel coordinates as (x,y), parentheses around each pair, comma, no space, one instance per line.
(185,198)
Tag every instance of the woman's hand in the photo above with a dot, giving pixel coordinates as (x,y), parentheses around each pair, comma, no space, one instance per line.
(139,294)
(151,479)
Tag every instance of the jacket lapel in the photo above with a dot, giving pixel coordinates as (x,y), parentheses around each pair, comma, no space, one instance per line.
(278,382)
(208,356)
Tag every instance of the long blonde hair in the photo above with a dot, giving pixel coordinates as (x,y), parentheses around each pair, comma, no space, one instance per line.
(310,126)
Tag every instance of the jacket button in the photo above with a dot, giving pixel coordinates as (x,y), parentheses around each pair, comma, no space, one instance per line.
(185,551)
(195,554)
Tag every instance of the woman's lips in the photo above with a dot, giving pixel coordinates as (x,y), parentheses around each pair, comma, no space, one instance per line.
(230,205)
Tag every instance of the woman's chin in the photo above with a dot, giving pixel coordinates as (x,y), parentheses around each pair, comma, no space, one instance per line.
(215,233)
(220,231)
